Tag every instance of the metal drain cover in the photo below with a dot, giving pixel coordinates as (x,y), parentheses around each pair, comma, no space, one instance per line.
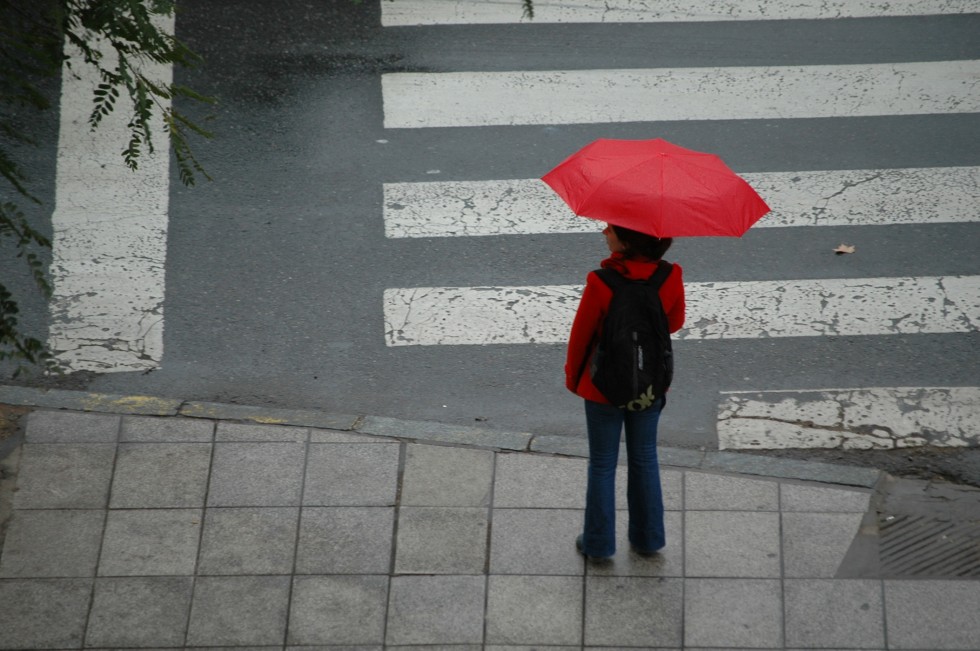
(924,546)
(917,529)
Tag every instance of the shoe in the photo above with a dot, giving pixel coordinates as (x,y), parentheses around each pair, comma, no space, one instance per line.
(644,553)
(595,559)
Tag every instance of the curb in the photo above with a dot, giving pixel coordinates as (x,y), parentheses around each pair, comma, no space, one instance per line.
(429,432)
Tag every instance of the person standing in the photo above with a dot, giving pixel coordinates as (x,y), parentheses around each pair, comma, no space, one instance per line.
(635,255)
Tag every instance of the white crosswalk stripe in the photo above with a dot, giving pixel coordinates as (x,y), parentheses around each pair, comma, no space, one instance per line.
(824,198)
(110,233)
(879,418)
(427,316)
(449,12)
(467,99)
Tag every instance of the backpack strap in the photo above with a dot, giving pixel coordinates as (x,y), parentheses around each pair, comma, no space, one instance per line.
(611,277)
(659,276)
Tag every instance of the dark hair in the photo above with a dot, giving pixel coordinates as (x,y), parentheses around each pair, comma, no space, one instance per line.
(641,245)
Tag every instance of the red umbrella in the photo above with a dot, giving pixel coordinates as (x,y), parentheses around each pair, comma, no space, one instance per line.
(656,187)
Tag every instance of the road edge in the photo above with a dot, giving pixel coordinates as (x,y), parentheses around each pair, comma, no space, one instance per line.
(429,432)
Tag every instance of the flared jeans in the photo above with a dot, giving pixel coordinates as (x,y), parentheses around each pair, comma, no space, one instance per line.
(644,494)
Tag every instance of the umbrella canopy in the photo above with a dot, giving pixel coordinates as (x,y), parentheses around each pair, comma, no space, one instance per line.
(656,187)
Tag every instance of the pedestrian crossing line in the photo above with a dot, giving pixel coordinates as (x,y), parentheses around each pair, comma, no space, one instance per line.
(109,227)
(468,99)
(874,197)
(452,12)
(850,419)
(434,316)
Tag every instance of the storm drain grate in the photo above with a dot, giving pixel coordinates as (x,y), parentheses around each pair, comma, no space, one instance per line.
(921,546)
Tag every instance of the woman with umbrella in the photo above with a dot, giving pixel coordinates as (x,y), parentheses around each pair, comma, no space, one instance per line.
(648,191)
(635,256)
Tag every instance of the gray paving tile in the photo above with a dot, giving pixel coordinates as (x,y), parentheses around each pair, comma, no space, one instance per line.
(256,474)
(672,483)
(733,613)
(43,613)
(441,540)
(64,476)
(535,541)
(246,432)
(338,610)
(139,612)
(52,544)
(539,481)
(752,464)
(345,540)
(248,540)
(71,427)
(147,429)
(731,544)
(668,562)
(933,614)
(534,610)
(160,475)
(436,610)
(633,611)
(239,610)
(446,476)
(153,542)
(814,544)
(711,492)
(352,474)
(853,607)
(800,497)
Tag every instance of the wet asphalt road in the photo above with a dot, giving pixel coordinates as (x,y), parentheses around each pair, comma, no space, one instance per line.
(276,269)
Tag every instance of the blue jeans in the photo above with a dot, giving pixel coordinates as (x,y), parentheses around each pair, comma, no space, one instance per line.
(643,491)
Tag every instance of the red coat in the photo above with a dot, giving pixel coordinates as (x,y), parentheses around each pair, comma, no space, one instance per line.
(592,311)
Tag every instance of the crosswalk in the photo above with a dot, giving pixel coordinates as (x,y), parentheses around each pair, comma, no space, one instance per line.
(110,225)
(717,310)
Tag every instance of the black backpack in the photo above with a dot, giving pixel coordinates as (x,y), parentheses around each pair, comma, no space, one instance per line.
(633,364)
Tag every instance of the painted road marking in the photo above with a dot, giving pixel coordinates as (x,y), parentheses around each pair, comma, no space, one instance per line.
(433,316)
(110,233)
(452,12)
(466,99)
(881,418)
(930,195)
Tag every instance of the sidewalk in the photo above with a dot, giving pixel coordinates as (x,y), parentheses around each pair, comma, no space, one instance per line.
(139,523)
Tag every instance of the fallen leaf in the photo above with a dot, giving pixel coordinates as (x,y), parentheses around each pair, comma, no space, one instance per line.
(844,248)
